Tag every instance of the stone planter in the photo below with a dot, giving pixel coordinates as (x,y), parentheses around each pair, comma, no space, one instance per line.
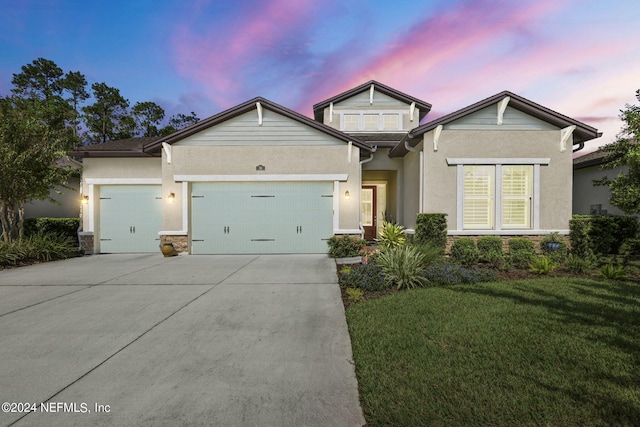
(167,249)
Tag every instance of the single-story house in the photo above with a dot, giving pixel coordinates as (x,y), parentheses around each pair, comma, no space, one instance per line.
(589,199)
(260,178)
(66,203)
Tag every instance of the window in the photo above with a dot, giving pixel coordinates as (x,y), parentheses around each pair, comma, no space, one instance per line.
(497,196)
(371,122)
(390,122)
(351,121)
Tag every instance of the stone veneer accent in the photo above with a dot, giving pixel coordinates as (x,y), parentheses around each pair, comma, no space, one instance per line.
(85,240)
(180,243)
(505,241)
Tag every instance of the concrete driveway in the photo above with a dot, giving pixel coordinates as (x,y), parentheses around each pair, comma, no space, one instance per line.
(189,340)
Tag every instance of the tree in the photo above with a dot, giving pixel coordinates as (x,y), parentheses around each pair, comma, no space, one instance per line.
(625,151)
(29,151)
(147,116)
(75,85)
(105,118)
(179,121)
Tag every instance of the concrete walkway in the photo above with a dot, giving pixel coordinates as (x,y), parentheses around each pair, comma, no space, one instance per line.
(190,340)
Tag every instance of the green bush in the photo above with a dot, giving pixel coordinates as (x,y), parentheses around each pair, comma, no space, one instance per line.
(38,247)
(391,235)
(521,252)
(613,272)
(431,228)
(581,245)
(345,246)
(61,226)
(489,248)
(608,232)
(403,267)
(542,265)
(464,251)
(558,255)
(368,277)
(578,265)
(355,295)
(630,248)
(432,253)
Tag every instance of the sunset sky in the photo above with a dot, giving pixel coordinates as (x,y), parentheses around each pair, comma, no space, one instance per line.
(578,57)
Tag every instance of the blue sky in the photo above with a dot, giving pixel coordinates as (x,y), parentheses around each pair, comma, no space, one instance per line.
(580,58)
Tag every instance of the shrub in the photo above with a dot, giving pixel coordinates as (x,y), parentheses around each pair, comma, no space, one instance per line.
(431,252)
(431,228)
(345,246)
(489,244)
(60,226)
(368,277)
(630,248)
(581,245)
(559,254)
(577,264)
(464,251)
(613,272)
(542,265)
(403,267)
(454,274)
(355,295)
(39,247)
(521,252)
(608,232)
(391,235)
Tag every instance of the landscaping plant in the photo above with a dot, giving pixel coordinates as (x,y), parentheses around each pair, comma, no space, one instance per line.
(355,295)
(455,274)
(345,246)
(390,236)
(403,267)
(368,277)
(542,265)
(464,251)
(521,252)
(613,272)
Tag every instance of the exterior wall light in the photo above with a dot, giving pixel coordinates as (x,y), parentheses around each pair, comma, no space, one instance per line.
(84,200)
(347,196)
(171,197)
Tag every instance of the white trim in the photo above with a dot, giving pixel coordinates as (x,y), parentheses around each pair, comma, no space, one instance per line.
(259,108)
(347,231)
(172,233)
(371,90)
(167,150)
(460,196)
(185,205)
(498,161)
(412,109)
(436,137)
(510,232)
(331,112)
(565,134)
(536,197)
(123,181)
(336,204)
(502,106)
(273,177)
(91,205)
(350,149)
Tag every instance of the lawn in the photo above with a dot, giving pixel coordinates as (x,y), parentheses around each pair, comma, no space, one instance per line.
(551,351)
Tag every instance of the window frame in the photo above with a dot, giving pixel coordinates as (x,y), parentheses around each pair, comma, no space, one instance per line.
(460,163)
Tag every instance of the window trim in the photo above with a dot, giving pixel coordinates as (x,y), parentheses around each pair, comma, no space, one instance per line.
(460,163)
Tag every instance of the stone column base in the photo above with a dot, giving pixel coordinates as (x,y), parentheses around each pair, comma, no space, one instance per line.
(180,243)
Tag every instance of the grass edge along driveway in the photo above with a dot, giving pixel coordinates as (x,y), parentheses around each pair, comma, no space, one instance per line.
(532,352)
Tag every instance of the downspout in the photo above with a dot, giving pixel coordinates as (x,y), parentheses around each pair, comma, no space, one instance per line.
(362,162)
(415,150)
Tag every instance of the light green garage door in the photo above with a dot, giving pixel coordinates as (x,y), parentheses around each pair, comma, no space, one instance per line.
(130,218)
(261,217)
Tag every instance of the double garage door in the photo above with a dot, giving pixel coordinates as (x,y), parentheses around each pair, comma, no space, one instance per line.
(261,217)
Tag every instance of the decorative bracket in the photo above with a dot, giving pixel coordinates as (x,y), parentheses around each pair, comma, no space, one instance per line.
(502,106)
(565,134)
(412,109)
(167,150)
(331,112)
(259,108)
(371,90)
(436,137)
(349,151)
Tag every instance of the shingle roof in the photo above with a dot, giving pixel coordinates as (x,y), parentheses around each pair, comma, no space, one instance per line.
(590,159)
(119,148)
(318,109)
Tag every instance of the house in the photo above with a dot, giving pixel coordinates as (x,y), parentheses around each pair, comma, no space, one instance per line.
(260,178)
(589,199)
(66,203)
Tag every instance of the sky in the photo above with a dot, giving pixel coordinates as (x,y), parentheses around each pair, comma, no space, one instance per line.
(580,58)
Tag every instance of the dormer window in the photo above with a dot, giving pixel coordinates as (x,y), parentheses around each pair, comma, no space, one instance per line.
(371,121)
(351,122)
(390,122)
(367,122)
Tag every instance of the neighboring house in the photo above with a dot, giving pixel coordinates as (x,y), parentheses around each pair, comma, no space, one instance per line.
(260,178)
(68,199)
(589,199)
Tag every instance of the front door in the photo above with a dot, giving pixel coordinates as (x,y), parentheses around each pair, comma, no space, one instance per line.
(368,212)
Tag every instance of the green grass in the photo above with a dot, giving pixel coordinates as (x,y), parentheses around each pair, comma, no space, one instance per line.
(553,352)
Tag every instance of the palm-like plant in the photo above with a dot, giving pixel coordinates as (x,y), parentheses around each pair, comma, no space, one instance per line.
(403,266)
(391,236)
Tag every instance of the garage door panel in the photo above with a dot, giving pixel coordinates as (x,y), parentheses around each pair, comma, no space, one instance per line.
(265,217)
(130,218)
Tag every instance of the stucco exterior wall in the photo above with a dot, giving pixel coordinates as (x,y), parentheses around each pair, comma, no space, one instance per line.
(555,178)
(411,188)
(585,194)
(277,160)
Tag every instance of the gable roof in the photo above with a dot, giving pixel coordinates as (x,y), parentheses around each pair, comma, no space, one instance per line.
(318,109)
(130,147)
(581,134)
(245,107)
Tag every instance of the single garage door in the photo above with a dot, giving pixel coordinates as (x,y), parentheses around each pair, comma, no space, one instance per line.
(130,218)
(261,217)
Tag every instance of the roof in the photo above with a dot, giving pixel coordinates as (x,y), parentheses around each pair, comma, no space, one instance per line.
(594,158)
(130,147)
(382,139)
(318,109)
(581,134)
(248,106)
